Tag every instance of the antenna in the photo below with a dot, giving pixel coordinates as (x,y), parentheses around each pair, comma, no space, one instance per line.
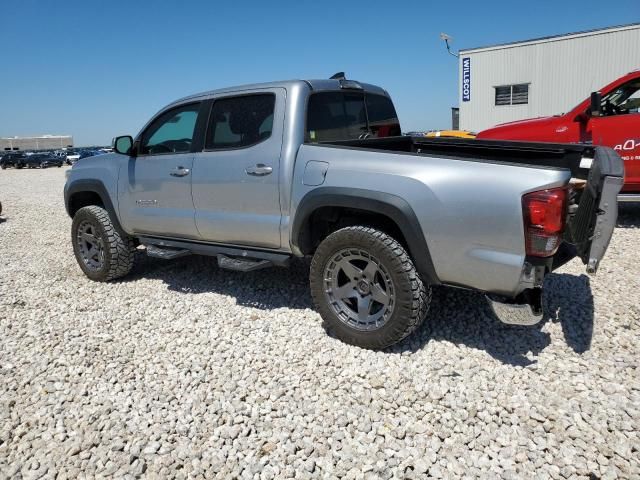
(446,38)
(338,76)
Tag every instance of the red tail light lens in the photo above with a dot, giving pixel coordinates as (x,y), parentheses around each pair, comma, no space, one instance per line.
(544,219)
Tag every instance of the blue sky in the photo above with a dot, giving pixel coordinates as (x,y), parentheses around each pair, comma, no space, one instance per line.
(98,69)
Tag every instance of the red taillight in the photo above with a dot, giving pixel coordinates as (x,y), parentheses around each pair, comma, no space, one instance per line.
(544,218)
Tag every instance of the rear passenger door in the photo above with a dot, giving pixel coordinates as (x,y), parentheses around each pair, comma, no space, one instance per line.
(236,188)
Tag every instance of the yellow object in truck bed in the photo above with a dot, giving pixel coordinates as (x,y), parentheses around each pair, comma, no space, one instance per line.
(450,134)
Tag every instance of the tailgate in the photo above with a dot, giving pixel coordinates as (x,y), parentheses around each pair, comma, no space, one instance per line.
(594,212)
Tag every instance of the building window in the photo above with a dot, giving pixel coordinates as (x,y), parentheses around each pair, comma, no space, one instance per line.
(512,94)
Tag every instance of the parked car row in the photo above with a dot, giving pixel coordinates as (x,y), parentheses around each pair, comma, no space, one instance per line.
(55,158)
(36,160)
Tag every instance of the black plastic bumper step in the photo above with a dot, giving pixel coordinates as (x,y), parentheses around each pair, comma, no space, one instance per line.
(166,253)
(242,264)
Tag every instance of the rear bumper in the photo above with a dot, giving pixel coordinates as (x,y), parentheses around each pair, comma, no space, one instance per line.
(514,313)
(590,225)
(629,197)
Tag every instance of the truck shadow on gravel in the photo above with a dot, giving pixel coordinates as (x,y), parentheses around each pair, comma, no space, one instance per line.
(456,316)
(265,289)
(464,317)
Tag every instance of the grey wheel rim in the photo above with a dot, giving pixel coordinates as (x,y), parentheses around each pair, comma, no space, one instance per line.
(359,289)
(90,245)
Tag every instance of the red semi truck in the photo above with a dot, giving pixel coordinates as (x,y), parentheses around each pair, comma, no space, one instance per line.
(610,117)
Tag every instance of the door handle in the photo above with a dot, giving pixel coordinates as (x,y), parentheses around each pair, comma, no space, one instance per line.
(179,172)
(259,170)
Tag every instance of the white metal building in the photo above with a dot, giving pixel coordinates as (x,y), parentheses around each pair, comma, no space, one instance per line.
(41,142)
(544,76)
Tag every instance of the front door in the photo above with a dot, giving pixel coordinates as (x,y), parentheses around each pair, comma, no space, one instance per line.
(619,128)
(236,178)
(155,186)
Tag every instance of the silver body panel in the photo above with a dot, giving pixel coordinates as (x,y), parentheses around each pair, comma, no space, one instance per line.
(470,212)
(151,200)
(231,205)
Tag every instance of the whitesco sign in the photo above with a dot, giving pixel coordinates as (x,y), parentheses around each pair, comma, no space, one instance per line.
(466,79)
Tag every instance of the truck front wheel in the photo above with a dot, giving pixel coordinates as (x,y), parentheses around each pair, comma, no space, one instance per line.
(366,288)
(101,251)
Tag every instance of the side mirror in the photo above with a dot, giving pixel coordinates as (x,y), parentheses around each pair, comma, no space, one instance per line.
(123,144)
(596,104)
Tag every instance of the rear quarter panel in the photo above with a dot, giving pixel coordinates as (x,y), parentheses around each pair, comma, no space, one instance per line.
(469,212)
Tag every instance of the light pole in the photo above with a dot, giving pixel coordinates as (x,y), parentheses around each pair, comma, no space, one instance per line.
(446,39)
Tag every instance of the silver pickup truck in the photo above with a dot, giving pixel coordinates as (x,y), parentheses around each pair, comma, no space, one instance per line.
(257,174)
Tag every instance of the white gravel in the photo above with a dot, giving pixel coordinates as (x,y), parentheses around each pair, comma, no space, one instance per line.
(184,370)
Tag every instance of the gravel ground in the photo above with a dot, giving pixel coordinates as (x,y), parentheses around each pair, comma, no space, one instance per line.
(184,370)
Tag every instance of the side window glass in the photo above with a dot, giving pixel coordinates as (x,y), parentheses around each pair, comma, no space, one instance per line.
(632,104)
(172,132)
(240,121)
(625,99)
(383,120)
(335,116)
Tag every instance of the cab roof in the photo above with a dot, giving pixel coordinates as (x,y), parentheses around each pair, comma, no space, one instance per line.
(314,85)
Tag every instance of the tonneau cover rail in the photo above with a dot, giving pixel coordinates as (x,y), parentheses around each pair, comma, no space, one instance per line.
(574,157)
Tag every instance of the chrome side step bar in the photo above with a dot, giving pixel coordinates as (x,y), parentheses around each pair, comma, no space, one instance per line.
(242,258)
(628,197)
(241,264)
(166,253)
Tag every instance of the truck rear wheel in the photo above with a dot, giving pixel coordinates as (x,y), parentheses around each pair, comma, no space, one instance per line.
(101,251)
(366,288)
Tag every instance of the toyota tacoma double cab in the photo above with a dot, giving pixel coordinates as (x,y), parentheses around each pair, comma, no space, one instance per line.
(255,175)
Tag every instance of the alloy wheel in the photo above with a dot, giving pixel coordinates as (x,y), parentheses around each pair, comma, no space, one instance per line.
(359,289)
(90,245)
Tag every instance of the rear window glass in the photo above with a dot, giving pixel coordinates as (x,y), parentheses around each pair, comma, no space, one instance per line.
(333,116)
(383,120)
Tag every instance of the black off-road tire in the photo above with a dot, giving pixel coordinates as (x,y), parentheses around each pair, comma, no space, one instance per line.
(412,296)
(118,249)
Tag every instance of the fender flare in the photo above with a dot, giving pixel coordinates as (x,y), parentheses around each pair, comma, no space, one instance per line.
(92,186)
(389,205)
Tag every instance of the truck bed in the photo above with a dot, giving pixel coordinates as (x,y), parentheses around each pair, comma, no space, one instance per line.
(599,171)
(573,157)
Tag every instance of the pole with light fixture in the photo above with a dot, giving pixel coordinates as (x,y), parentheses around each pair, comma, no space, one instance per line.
(446,39)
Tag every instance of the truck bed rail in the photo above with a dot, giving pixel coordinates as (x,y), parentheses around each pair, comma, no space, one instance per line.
(573,157)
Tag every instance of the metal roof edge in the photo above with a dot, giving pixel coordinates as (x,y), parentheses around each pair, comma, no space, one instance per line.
(552,38)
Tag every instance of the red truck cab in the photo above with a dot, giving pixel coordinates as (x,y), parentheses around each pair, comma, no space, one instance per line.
(610,117)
